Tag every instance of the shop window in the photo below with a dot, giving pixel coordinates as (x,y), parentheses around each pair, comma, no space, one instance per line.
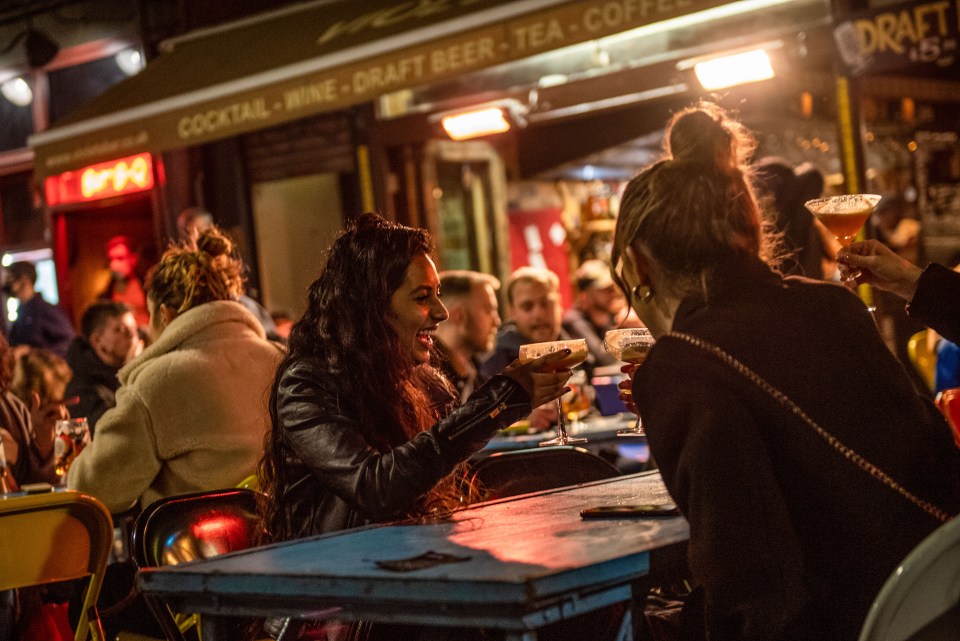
(16,123)
(71,87)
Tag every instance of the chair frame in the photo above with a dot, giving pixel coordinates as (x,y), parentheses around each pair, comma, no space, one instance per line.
(144,557)
(477,467)
(894,597)
(29,558)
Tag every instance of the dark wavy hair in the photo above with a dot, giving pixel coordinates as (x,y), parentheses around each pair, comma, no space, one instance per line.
(347,328)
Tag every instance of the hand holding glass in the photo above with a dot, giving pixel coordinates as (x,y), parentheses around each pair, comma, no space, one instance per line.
(630,346)
(578,353)
(843,216)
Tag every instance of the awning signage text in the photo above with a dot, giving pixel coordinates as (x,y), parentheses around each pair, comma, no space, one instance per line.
(907,36)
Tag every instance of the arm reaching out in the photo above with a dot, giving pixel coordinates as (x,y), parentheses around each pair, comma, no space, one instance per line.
(881,267)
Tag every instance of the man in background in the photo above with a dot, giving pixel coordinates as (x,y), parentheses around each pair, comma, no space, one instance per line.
(469,332)
(598,305)
(108,341)
(534,311)
(38,324)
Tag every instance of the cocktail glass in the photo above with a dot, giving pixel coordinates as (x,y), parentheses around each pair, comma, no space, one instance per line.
(843,216)
(630,346)
(578,353)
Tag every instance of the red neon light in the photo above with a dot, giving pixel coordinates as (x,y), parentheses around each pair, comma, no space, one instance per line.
(103,180)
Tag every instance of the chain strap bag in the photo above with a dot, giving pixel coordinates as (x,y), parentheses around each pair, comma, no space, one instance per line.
(845,451)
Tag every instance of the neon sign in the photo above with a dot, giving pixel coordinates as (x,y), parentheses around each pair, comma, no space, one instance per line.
(103,180)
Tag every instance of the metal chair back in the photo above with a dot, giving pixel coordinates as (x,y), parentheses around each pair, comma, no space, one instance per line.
(504,474)
(921,599)
(57,536)
(189,527)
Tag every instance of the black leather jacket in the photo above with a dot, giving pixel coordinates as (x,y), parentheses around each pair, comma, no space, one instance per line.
(335,479)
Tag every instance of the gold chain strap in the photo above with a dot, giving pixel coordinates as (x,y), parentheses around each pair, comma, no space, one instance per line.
(847,452)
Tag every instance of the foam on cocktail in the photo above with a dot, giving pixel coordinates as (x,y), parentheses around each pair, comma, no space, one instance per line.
(533,351)
(844,204)
(843,215)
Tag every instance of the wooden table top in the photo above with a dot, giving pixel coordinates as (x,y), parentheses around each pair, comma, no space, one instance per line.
(518,554)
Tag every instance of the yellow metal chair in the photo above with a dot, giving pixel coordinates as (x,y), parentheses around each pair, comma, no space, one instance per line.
(252,482)
(923,355)
(57,537)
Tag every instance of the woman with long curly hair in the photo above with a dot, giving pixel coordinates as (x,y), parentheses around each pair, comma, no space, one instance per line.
(363,428)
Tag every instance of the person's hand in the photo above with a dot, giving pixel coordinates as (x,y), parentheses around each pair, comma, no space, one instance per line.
(881,267)
(626,385)
(541,418)
(44,417)
(540,377)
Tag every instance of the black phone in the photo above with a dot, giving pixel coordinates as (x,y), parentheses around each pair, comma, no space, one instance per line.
(629,511)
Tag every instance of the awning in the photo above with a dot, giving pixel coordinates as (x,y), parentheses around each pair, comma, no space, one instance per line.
(318,57)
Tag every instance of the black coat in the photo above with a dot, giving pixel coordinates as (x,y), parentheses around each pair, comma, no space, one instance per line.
(936,303)
(336,479)
(789,539)
(94,382)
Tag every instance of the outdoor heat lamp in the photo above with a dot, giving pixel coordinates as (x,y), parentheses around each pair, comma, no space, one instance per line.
(482,120)
(472,124)
(737,68)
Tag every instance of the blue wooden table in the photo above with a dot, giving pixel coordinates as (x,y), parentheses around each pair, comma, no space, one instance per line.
(524,562)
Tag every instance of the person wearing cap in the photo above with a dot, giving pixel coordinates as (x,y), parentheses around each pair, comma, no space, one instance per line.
(596,309)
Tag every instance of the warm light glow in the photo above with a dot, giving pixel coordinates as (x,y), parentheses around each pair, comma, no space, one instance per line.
(735,69)
(123,176)
(471,124)
(130,61)
(17,91)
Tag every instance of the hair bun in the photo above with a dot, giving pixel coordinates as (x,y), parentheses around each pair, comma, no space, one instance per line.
(705,134)
(215,243)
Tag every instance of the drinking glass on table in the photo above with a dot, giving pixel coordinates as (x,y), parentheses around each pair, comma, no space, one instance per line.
(72,435)
(577,402)
(630,346)
(578,353)
(843,216)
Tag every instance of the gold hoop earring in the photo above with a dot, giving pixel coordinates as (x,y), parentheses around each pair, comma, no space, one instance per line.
(643,293)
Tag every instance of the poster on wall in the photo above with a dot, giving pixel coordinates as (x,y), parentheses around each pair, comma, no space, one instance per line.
(539,239)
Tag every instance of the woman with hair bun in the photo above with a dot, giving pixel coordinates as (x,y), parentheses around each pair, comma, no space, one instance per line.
(189,414)
(805,461)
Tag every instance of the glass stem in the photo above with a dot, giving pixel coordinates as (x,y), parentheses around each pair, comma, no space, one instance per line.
(561,424)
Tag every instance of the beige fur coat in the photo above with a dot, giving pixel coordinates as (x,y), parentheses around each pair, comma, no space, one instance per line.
(191,411)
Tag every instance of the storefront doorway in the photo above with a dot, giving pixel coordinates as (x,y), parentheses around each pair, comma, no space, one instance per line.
(295,220)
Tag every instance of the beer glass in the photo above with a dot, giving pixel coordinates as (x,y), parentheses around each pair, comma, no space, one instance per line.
(72,435)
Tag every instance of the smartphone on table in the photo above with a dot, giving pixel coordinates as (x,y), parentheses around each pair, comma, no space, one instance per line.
(630,511)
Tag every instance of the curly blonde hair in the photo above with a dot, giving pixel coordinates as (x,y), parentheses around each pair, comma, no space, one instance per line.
(188,276)
(40,371)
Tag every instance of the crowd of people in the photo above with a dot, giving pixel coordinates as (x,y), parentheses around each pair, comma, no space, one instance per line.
(765,388)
